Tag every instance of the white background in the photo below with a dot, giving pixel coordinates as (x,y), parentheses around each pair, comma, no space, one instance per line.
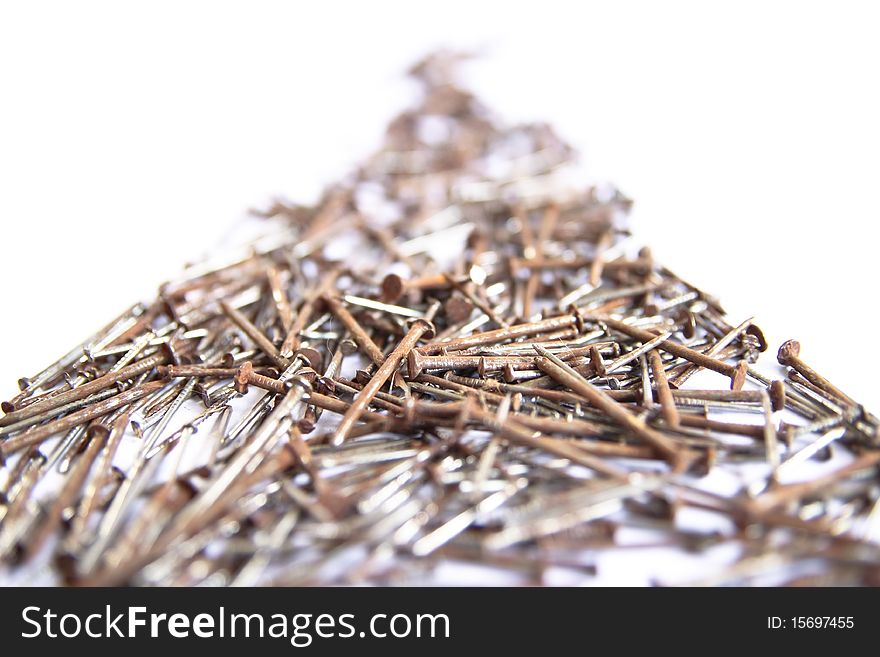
(132,136)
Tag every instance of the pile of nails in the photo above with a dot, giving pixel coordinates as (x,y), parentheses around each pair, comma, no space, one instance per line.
(454,359)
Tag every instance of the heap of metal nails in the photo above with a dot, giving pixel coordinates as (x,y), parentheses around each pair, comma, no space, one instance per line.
(453,359)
